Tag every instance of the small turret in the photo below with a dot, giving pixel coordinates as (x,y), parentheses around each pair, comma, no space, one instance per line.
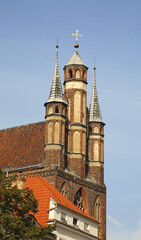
(56,93)
(55,122)
(94,112)
(96,138)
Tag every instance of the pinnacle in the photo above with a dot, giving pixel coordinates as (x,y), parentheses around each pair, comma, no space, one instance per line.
(94,111)
(56,93)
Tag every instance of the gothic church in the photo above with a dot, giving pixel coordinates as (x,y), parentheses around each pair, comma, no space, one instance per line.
(67,149)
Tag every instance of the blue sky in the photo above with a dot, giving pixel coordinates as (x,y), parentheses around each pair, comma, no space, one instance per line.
(111,34)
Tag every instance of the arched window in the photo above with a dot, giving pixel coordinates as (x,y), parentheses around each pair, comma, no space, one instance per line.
(70,74)
(31,219)
(97,208)
(63,189)
(78,200)
(76,142)
(56,110)
(77,74)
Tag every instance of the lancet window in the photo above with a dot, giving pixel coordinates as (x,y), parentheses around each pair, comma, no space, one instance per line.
(97,208)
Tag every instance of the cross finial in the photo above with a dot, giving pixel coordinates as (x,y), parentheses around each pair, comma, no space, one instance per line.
(77,35)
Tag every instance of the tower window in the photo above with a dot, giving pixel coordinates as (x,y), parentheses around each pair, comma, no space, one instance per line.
(77,74)
(70,74)
(56,110)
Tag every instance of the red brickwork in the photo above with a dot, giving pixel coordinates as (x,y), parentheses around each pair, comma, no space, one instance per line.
(33,152)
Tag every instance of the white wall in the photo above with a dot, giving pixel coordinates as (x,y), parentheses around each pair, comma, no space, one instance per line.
(65,230)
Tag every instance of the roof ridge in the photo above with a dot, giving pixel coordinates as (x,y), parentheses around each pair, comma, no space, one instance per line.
(23,125)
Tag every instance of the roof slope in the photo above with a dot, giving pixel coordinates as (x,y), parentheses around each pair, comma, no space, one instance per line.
(76,59)
(43,191)
(22,146)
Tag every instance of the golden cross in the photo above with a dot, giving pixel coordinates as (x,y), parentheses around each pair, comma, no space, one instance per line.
(77,35)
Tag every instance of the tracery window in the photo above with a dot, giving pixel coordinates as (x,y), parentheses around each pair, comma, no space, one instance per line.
(78,200)
(29,218)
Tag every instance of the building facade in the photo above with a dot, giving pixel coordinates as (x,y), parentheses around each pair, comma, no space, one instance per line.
(67,149)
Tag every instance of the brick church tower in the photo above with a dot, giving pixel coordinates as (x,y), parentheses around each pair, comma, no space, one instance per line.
(67,149)
(74,140)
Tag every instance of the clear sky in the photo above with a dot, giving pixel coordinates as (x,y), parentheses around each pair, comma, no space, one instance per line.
(111,34)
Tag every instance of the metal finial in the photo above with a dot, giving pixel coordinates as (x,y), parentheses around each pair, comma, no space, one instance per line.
(77,35)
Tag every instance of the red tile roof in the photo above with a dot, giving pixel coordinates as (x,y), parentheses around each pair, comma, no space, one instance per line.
(43,191)
(22,146)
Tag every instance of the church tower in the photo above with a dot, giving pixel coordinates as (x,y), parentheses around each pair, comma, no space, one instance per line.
(75,90)
(55,123)
(96,138)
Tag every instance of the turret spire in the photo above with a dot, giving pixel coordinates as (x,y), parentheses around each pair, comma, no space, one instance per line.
(94,111)
(56,93)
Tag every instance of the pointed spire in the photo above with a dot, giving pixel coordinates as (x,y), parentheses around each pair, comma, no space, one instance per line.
(94,111)
(56,93)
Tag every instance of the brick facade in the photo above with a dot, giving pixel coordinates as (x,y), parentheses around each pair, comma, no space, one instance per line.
(67,150)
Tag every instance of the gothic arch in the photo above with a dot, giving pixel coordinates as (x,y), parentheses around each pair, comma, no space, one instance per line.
(77,73)
(56,132)
(63,189)
(80,200)
(50,132)
(97,208)
(70,73)
(56,109)
(76,142)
